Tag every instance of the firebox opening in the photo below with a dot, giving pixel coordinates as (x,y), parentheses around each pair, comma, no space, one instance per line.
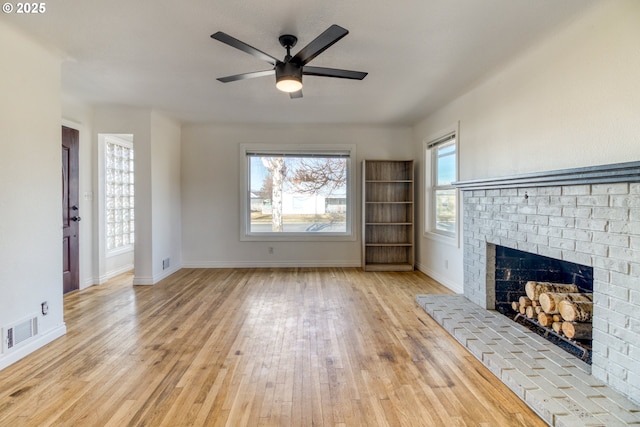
(514,268)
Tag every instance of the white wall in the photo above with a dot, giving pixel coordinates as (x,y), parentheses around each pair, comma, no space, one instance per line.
(137,122)
(211,192)
(30,194)
(156,141)
(572,100)
(166,208)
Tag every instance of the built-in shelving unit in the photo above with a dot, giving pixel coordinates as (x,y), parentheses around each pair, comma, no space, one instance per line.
(387,215)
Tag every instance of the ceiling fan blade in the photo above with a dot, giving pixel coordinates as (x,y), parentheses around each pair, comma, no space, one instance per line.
(321,43)
(295,95)
(333,72)
(245,76)
(233,42)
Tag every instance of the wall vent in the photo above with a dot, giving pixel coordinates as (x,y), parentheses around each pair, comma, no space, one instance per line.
(18,333)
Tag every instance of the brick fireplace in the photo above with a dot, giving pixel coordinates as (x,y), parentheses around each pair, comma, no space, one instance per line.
(588,216)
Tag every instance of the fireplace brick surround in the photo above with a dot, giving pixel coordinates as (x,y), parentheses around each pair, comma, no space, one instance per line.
(588,216)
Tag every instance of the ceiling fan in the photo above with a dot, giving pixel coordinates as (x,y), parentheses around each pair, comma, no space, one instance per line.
(289,72)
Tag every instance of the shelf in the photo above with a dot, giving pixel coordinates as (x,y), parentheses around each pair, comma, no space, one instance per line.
(389,223)
(378,213)
(388,245)
(388,215)
(388,267)
(402,202)
(388,170)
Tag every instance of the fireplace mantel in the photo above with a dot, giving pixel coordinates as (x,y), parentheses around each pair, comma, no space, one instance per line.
(612,173)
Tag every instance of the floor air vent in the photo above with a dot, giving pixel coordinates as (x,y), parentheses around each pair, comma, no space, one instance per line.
(18,333)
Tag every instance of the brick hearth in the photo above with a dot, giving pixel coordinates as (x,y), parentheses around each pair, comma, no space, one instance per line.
(555,384)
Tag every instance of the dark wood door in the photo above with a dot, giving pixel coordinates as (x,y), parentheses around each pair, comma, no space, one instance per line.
(70,211)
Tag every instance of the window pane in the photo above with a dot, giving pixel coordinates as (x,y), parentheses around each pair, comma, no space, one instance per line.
(445,210)
(118,195)
(298,194)
(446,165)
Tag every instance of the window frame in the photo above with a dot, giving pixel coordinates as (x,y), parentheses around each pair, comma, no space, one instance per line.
(246,150)
(430,150)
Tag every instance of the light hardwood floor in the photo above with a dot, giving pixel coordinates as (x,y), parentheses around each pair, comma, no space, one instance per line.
(256,347)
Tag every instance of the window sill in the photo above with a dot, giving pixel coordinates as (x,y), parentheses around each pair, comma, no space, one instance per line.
(278,237)
(442,238)
(120,251)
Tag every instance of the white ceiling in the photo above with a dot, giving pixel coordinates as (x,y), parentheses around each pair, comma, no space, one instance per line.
(157,53)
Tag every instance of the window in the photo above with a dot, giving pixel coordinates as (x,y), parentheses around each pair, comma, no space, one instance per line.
(297,193)
(118,191)
(441,196)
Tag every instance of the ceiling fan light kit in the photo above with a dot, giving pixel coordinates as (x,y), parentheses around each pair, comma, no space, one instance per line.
(290,71)
(288,77)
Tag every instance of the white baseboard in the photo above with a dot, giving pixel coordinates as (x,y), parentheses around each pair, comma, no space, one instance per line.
(152,280)
(455,287)
(143,280)
(26,349)
(270,264)
(88,282)
(113,273)
(166,273)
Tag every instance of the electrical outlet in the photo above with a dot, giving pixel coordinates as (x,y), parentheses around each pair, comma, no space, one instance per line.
(270,250)
(45,308)
(446,264)
(165,263)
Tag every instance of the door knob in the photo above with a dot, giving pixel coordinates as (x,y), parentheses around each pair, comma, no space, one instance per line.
(75,218)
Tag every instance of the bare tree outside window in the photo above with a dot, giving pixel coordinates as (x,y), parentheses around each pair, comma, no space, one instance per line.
(277,173)
(324,175)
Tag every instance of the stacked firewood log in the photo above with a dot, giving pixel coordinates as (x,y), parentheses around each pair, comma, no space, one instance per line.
(558,306)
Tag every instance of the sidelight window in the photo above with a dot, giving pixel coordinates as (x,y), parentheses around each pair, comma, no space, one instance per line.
(119,194)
